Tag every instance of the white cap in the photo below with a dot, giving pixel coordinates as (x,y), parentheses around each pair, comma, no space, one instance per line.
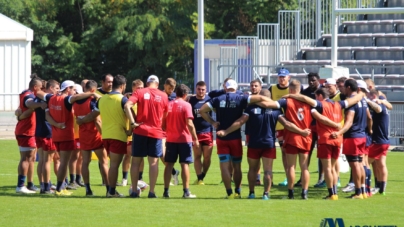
(231,84)
(66,84)
(362,84)
(152,78)
(79,89)
(330,81)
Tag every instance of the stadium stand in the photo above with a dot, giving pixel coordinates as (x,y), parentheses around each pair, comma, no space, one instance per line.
(374,44)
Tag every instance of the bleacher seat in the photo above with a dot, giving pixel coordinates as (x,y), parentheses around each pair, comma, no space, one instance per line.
(396,67)
(348,40)
(373,26)
(365,39)
(357,76)
(355,53)
(389,39)
(299,66)
(365,67)
(378,53)
(395,3)
(385,16)
(360,66)
(398,26)
(344,53)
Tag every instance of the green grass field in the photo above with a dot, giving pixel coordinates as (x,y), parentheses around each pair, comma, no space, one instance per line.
(209,209)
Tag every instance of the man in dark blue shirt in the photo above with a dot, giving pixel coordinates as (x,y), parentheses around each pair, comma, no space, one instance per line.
(355,138)
(204,133)
(43,135)
(229,107)
(314,84)
(255,89)
(380,139)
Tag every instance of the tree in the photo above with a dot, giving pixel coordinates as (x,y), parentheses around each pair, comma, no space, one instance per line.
(140,38)
(76,39)
(234,18)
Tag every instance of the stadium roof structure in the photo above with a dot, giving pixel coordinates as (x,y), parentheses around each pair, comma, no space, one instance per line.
(12,30)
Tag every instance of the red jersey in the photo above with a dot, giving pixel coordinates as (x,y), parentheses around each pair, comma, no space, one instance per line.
(331,110)
(151,105)
(89,135)
(26,127)
(178,113)
(299,114)
(60,110)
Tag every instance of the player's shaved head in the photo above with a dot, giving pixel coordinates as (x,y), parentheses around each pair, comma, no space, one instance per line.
(265,93)
(323,92)
(295,86)
(91,84)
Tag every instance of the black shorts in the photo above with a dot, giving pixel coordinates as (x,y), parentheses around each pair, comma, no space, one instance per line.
(175,150)
(354,158)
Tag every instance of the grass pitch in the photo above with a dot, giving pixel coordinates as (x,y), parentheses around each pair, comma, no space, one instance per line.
(209,209)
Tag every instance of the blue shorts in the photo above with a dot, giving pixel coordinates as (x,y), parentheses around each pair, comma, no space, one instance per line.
(143,146)
(183,150)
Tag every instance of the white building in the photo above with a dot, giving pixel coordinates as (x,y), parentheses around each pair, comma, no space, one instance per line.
(15,61)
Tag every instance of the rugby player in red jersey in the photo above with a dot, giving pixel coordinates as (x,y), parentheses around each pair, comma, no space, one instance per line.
(25,132)
(147,131)
(90,138)
(328,115)
(181,133)
(60,111)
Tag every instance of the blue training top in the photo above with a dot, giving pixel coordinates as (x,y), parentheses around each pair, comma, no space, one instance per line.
(172,97)
(229,107)
(43,128)
(264,122)
(380,126)
(201,125)
(359,123)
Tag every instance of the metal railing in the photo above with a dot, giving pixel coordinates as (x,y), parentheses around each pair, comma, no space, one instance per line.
(315,15)
(229,56)
(289,34)
(247,55)
(268,45)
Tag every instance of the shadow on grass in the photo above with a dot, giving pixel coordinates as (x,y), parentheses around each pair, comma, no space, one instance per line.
(282,172)
(37,195)
(277,193)
(9,191)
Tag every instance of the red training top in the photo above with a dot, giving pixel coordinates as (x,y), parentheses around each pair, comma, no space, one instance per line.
(331,110)
(178,113)
(89,135)
(151,105)
(60,110)
(299,114)
(26,127)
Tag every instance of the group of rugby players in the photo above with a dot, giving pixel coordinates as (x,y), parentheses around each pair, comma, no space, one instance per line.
(339,115)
